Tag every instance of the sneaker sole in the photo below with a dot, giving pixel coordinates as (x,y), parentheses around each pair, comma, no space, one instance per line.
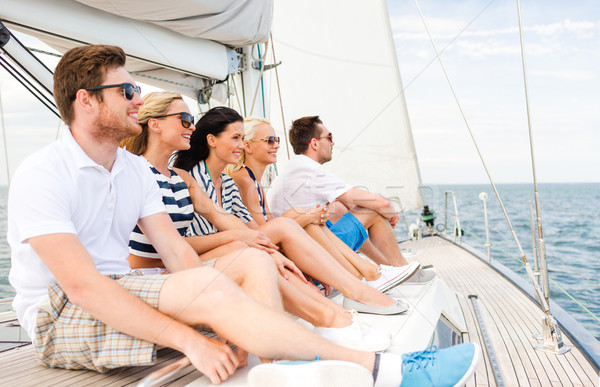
(392,285)
(326,373)
(474,362)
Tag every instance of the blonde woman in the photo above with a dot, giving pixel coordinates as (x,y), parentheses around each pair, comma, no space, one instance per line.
(260,150)
(166,127)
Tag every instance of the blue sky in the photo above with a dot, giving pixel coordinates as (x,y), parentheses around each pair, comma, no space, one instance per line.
(562,42)
(562,52)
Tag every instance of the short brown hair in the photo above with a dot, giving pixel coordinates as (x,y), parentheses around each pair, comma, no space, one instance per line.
(303,130)
(80,68)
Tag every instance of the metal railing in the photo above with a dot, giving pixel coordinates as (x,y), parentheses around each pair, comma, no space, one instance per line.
(457,231)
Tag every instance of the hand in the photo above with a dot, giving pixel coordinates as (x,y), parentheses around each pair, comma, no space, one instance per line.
(394,220)
(255,239)
(291,266)
(214,359)
(240,354)
(326,289)
(319,215)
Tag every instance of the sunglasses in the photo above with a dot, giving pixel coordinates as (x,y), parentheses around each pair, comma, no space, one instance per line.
(129,90)
(271,140)
(329,137)
(187,119)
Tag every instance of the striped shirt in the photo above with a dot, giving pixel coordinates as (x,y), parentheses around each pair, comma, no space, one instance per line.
(178,202)
(230,197)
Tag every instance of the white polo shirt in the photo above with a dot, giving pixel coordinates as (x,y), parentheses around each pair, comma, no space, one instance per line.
(59,189)
(304,183)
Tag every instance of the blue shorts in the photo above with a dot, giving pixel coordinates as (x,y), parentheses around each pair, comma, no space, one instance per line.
(350,230)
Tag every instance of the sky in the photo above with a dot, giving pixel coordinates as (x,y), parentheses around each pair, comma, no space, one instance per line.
(480,46)
(479,41)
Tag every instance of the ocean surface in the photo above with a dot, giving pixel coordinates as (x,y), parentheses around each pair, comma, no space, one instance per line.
(571,227)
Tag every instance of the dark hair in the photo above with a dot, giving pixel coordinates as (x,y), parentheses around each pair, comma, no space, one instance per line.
(80,68)
(303,130)
(212,122)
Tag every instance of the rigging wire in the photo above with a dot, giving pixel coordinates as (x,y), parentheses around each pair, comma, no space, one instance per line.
(27,85)
(516,239)
(285,135)
(565,292)
(4,138)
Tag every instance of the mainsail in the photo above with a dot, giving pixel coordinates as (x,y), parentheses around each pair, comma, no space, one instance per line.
(339,62)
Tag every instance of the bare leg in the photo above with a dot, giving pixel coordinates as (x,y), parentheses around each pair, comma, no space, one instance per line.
(205,296)
(316,262)
(381,235)
(311,306)
(318,235)
(366,268)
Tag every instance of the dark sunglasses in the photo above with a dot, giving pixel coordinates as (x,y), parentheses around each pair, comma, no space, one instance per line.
(329,137)
(271,140)
(187,119)
(129,90)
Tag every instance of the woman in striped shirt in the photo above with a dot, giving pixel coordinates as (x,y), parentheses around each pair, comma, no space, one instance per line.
(166,127)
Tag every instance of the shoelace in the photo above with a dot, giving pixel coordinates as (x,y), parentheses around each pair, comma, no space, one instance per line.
(420,359)
(363,326)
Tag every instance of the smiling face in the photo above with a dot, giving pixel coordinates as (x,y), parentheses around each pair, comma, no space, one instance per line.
(258,149)
(228,145)
(117,117)
(172,132)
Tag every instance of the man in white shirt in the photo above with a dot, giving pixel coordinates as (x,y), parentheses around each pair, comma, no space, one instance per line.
(357,214)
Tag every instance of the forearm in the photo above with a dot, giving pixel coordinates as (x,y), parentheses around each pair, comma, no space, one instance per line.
(202,244)
(362,198)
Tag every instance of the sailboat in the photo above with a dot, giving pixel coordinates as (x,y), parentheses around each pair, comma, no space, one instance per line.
(250,56)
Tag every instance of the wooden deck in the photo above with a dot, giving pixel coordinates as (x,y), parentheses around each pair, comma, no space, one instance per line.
(510,317)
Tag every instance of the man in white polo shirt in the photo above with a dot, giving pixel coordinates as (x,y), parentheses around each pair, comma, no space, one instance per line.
(363,220)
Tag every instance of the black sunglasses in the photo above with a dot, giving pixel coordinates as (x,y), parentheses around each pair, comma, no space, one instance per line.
(329,137)
(187,119)
(271,140)
(128,89)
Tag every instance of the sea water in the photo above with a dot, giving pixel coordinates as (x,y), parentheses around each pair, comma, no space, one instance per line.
(570,224)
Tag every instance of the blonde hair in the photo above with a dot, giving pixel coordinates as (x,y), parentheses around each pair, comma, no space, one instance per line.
(250,125)
(155,104)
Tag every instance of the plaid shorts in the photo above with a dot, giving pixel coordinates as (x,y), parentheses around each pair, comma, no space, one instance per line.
(66,336)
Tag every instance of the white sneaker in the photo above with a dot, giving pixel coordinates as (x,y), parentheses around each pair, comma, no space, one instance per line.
(392,276)
(359,336)
(318,373)
(421,277)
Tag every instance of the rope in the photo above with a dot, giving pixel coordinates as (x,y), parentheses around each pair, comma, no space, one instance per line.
(287,144)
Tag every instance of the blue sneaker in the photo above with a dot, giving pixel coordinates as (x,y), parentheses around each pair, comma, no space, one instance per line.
(440,368)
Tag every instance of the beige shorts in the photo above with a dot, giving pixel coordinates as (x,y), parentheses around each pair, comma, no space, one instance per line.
(66,336)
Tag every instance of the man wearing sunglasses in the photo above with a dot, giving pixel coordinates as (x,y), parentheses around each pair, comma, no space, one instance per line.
(363,220)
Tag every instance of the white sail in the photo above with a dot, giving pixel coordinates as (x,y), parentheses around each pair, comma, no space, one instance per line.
(178,48)
(339,62)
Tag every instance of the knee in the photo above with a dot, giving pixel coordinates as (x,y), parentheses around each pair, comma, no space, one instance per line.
(221,287)
(259,262)
(336,210)
(283,226)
